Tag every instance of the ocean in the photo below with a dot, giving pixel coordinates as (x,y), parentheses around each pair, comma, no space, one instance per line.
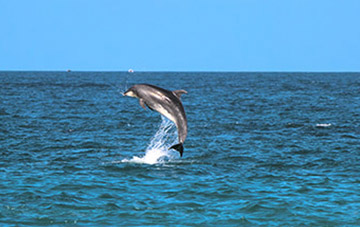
(263,149)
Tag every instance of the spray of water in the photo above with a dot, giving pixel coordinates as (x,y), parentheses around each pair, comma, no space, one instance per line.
(158,148)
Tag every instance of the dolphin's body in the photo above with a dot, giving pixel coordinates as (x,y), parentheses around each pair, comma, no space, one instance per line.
(166,103)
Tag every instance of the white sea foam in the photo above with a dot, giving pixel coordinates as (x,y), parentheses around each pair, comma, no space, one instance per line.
(158,148)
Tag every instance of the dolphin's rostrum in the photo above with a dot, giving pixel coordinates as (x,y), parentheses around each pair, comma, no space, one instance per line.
(166,103)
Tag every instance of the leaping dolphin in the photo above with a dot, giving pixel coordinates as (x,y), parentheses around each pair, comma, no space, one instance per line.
(166,103)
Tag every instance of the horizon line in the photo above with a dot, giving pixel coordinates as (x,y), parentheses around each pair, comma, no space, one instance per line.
(183,71)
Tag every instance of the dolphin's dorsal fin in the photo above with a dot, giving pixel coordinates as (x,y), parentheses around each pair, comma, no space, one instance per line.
(142,103)
(178,93)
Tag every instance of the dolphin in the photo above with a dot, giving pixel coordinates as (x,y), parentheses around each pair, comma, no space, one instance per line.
(165,102)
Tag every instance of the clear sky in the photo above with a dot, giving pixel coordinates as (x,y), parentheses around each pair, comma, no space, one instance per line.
(180,35)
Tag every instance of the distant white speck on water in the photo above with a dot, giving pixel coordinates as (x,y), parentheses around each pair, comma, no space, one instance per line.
(323,125)
(130,71)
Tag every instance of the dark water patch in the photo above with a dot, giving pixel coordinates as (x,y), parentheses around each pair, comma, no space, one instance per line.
(350,136)
(3,112)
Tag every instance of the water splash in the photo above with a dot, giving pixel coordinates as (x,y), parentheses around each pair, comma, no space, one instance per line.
(158,148)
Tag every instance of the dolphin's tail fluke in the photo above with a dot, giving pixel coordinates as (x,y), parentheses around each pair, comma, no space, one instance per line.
(179,147)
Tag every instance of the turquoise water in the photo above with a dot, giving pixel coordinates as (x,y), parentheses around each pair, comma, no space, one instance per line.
(268,149)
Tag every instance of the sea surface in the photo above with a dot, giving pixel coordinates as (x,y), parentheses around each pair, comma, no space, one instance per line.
(263,149)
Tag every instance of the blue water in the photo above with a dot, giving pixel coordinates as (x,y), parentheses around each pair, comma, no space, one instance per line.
(270,149)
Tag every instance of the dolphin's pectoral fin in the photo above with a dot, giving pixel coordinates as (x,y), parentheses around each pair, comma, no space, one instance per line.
(179,147)
(142,103)
(178,93)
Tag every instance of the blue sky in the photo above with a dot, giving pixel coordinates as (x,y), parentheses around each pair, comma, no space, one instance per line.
(183,35)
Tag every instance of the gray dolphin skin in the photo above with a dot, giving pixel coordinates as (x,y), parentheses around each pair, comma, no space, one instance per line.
(166,103)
